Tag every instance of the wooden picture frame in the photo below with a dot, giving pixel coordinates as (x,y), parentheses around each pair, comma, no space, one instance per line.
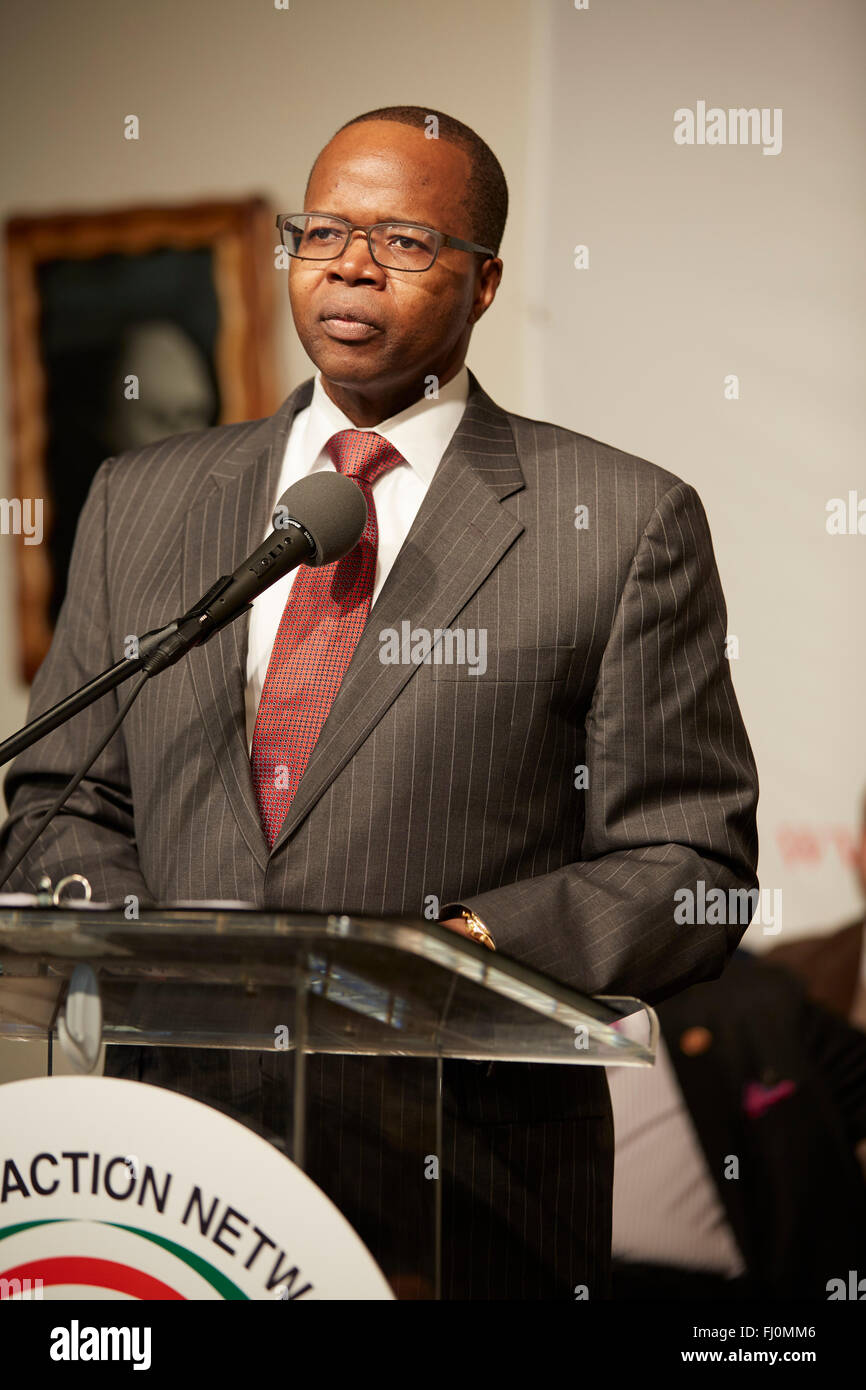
(216,259)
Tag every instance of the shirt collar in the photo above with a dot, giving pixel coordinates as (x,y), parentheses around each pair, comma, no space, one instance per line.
(421,432)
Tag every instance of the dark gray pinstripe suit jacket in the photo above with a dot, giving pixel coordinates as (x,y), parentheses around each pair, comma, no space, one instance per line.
(605,649)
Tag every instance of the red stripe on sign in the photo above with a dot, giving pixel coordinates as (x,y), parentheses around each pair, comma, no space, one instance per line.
(102,1274)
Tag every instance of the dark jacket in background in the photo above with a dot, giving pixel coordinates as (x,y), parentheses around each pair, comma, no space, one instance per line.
(779,1082)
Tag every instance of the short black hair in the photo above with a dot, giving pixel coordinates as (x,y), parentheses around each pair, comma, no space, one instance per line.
(486,198)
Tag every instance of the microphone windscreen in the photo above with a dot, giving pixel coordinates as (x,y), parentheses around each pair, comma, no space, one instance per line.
(331,507)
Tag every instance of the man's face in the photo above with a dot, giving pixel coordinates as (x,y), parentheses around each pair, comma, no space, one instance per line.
(380,171)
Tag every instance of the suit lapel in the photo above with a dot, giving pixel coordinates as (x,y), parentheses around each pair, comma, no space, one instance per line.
(459,534)
(221,529)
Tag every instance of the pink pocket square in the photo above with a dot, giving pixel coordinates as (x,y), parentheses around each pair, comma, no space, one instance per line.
(758,1098)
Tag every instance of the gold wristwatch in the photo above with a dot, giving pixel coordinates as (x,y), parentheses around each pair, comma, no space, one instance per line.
(477,929)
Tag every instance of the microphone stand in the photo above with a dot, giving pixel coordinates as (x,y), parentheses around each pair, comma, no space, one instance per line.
(157,650)
(339,507)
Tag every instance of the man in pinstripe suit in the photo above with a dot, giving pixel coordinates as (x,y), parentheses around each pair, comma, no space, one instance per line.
(560,796)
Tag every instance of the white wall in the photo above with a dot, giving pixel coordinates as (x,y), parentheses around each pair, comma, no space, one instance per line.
(706,261)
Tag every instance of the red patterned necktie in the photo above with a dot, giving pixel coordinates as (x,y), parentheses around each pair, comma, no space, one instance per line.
(322,621)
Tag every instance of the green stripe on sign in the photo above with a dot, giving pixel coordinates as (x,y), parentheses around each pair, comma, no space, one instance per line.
(223,1285)
(27,1225)
(212,1276)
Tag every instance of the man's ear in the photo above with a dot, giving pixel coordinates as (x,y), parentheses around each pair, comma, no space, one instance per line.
(495,280)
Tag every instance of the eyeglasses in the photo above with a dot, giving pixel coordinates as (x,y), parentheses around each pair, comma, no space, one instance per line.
(316,236)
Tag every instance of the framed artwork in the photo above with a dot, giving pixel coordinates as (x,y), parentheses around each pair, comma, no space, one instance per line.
(124,327)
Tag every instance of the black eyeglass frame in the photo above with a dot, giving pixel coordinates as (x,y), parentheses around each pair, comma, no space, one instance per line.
(442,239)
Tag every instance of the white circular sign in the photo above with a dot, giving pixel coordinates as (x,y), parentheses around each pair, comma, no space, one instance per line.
(114,1189)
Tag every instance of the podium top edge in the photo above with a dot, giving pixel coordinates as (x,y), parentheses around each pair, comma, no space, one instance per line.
(80,930)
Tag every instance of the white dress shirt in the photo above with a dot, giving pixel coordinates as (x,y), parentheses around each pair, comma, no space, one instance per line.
(421,433)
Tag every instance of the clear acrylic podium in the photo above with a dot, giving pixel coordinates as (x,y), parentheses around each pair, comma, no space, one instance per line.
(296,989)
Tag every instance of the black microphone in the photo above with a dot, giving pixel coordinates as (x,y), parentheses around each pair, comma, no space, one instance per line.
(317,520)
